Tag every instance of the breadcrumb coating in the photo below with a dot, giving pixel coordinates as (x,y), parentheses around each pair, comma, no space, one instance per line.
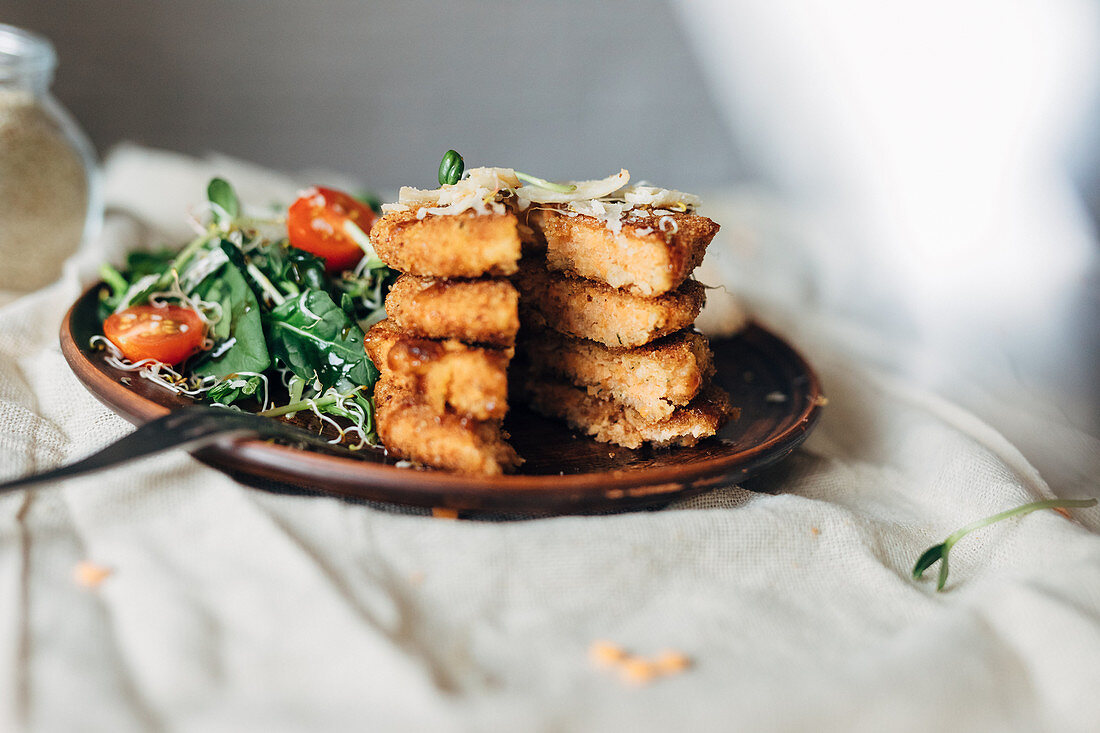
(468,380)
(462,245)
(473,311)
(607,308)
(415,431)
(648,256)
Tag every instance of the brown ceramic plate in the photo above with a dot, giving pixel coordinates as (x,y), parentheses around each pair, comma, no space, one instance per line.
(778,394)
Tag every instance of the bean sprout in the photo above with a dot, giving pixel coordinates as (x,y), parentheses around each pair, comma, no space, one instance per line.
(155,371)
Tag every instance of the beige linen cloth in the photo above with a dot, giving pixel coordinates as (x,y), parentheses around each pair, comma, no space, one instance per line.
(234,609)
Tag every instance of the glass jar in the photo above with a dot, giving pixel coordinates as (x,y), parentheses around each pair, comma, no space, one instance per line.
(49,199)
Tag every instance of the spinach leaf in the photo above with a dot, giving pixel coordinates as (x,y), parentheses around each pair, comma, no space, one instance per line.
(316,340)
(290,269)
(233,389)
(239,334)
(276,270)
(139,264)
(263,291)
(347,304)
(227,206)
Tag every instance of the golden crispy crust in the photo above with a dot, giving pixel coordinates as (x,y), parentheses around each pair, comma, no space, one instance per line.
(415,431)
(473,311)
(641,375)
(599,312)
(654,380)
(609,422)
(642,258)
(468,380)
(463,245)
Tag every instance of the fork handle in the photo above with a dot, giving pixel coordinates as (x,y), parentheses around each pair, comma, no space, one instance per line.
(191,427)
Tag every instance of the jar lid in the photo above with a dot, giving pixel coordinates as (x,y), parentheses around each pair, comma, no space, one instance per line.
(24,54)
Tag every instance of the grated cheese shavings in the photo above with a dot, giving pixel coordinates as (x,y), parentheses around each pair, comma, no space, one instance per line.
(608,200)
(479,191)
(611,214)
(659,197)
(580,191)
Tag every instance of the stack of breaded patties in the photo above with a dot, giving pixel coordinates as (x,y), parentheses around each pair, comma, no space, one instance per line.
(607,315)
(607,306)
(444,349)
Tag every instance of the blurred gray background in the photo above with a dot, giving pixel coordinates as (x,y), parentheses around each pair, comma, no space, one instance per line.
(380,90)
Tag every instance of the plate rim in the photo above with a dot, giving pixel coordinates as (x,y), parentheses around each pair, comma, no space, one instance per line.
(253,457)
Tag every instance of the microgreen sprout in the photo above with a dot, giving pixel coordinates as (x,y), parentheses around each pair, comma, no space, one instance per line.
(114,279)
(360,237)
(301,404)
(266,285)
(543,183)
(268,308)
(938,553)
(450,168)
(333,403)
(223,200)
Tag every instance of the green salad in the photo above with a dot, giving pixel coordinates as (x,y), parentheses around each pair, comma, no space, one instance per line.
(265,314)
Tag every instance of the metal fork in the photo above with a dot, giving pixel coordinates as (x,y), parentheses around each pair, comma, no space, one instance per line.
(189,427)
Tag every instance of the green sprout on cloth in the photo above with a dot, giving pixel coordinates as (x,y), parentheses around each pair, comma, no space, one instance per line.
(939,552)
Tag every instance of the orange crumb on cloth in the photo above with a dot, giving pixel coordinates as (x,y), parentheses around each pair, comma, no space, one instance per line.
(670,662)
(638,671)
(606,654)
(635,669)
(89,575)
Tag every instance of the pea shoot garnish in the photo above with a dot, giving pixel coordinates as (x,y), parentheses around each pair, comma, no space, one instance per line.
(939,552)
(450,168)
(224,201)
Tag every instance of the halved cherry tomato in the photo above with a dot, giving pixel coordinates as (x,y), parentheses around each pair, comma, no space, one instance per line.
(168,333)
(315,223)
